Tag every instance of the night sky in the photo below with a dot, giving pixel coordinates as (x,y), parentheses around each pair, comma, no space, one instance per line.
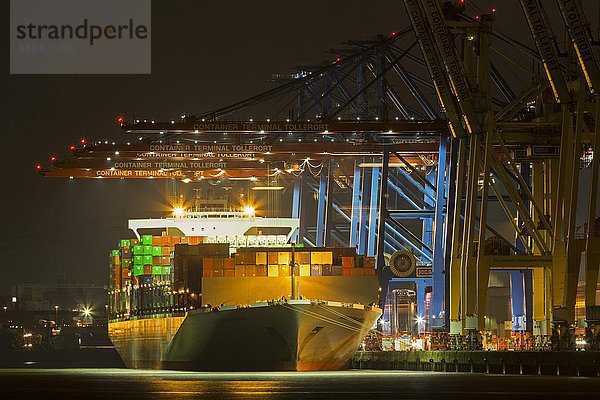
(204,55)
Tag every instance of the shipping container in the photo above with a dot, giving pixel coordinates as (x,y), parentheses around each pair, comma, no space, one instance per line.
(358,271)
(326,270)
(228,263)
(195,239)
(261,257)
(347,271)
(126,262)
(315,270)
(284,270)
(239,271)
(114,253)
(156,251)
(273,270)
(157,270)
(138,260)
(138,270)
(305,270)
(337,270)
(315,258)
(138,249)
(125,243)
(147,240)
(166,250)
(134,242)
(369,262)
(284,257)
(249,270)
(147,250)
(302,257)
(273,258)
(160,240)
(369,272)
(347,262)
(126,253)
(166,270)
(147,259)
(147,269)
(217,273)
(261,270)
(228,273)
(207,273)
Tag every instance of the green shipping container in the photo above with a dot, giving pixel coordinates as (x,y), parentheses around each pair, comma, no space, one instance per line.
(147,250)
(166,270)
(138,270)
(138,260)
(147,260)
(138,249)
(156,270)
(147,240)
(125,243)
(114,253)
(156,251)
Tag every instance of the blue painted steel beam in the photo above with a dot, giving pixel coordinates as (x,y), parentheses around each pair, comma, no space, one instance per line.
(439,248)
(363,232)
(373,213)
(426,256)
(329,204)
(355,215)
(402,194)
(411,214)
(321,208)
(417,195)
(417,185)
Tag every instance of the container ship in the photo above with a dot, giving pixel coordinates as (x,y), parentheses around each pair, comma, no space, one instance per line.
(227,291)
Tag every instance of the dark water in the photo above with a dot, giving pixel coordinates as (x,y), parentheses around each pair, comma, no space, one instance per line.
(128,384)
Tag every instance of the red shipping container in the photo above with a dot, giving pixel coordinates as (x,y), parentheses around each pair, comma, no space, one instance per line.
(147,269)
(369,272)
(195,239)
(229,273)
(347,272)
(207,262)
(207,273)
(348,262)
(217,273)
(229,263)
(358,272)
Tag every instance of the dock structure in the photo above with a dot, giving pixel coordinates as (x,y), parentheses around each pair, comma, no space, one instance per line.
(418,148)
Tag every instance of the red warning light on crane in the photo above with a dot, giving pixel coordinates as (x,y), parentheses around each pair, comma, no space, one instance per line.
(38,167)
(120,120)
(338,59)
(72,148)
(394,33)
(83,141)
(494,10)
(53,158)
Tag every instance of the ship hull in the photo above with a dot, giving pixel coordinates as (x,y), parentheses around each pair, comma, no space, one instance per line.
(287,336)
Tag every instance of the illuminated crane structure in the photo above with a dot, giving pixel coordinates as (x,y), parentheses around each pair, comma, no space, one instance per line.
(400,147)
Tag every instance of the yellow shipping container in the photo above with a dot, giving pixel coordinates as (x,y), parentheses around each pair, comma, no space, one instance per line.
(273,270)
(284,257)
(284,270)
(326,257)
(305,270)
(261,258)
(315,257)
